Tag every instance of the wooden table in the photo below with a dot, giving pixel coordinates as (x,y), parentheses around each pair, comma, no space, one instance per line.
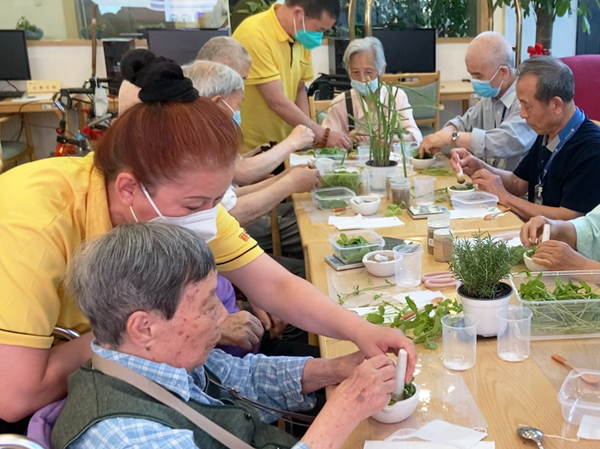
(507,394)
(458,90)
(319,232)
(25,107)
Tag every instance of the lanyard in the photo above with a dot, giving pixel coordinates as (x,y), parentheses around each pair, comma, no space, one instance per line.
(503,115)
(564,135)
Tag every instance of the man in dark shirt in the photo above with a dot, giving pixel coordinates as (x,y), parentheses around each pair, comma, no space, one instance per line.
(559,174)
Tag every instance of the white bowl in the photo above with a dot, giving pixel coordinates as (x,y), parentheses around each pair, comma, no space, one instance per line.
(369,205)
(532,266)
(400,410)
(456,192)
(380,269)
(422,164)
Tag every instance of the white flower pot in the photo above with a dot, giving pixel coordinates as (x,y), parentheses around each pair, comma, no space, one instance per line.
(377,177)
(485,311)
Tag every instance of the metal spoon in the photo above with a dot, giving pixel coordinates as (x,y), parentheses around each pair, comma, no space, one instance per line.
(587,378)
(531,433)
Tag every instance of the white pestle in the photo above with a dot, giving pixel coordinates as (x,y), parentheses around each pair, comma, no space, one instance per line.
(398,395)
(380,258)
(546,233)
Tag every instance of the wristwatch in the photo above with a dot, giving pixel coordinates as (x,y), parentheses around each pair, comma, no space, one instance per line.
(455,136)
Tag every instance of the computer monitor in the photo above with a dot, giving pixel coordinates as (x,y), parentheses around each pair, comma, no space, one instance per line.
(181,45)
(408,50)
(14,61)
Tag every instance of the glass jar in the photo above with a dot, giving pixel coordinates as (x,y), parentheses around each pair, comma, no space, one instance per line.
(388,180)
(400,193)
(443,245)
(435,222)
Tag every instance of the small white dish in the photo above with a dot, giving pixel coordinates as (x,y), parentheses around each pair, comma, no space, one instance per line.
(532,266)
(453,192)
(365,205)
(422,164)
(399,411)
(380,269)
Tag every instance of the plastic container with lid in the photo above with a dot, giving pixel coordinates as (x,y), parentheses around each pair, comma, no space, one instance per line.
(332,198)
(578,398)
(434,222)
(474,200)
(443,245)
(355,253)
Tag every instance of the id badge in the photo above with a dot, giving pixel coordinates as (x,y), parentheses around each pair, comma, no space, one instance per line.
(538,194)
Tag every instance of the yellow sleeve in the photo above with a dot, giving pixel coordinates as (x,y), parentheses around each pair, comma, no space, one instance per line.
(308,72)
(264,68)
(32,264)
(232,247)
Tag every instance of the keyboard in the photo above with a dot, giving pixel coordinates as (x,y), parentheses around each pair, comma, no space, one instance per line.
(4,94)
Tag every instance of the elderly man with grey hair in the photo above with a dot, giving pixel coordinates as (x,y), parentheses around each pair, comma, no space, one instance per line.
(492,130)
(365,63)
(228,51)
(148,291)
(559,173)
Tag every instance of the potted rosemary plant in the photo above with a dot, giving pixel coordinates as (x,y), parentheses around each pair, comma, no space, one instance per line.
(480,264)
(382,122)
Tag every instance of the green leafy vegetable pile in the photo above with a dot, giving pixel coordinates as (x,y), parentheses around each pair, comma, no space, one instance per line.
(354,255)
(416,154)
(393,210)
(333,153)
(460,188)
(554,313)
(436,172)
(424,326)
(332,204)
(341,177)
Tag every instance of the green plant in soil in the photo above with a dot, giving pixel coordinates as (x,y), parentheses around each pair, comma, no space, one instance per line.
(480,264)
(393,210)
(461,187)
(567,310)
(342,177)
(354,255)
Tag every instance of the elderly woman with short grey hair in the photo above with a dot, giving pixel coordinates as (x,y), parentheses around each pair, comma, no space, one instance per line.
(148,291)
(364,60)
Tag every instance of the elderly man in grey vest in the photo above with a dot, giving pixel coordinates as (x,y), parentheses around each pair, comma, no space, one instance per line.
(149,293)
(492,130)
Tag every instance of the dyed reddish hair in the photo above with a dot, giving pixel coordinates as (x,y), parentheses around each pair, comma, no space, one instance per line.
(157,142)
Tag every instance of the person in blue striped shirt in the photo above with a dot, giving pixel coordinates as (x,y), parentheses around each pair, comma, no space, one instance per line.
(149,293)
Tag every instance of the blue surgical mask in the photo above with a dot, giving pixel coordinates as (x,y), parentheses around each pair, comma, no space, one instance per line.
(310,39)
(484,88)
(365,88)
(237,115)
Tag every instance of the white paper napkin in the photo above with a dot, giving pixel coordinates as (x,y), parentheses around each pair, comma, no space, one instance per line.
(420,297)
(421,445)
(457,214)
(359,222)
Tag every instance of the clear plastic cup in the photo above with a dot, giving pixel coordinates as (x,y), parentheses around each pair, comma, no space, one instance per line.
(424,190)
(514,333)
(363,153)
(408,264)
(459,339)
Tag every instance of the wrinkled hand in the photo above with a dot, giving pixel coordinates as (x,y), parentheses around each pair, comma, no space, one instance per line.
(344,366)
(433,143)
(338,139)
(270,322)
(277,327)
(304,179)
(367,390)
(533,229)
(559,256)
(357,136)
(490,183)
(467,161)
(241,329)
(374,340)
(301,137)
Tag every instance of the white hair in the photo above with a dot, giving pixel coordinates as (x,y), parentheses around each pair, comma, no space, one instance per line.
(212,79)
(371,44)
(225,50)
(496,48)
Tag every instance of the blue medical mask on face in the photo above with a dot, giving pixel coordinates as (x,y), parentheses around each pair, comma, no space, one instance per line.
(484,88)
(309,39)
(365,88)
(237,115)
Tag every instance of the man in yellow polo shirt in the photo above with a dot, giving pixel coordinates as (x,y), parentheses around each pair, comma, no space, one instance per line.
(279,42)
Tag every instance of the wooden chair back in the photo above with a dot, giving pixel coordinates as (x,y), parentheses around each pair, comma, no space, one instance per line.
(317,106)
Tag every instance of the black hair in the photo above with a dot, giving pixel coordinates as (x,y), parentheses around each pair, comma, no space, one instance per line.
(554,78)
(313,9)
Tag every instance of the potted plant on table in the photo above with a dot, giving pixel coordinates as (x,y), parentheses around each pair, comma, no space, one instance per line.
(382,122)
(32,32)
(480,264)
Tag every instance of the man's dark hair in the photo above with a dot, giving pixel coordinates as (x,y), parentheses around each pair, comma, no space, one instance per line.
(313,9)
(554,78)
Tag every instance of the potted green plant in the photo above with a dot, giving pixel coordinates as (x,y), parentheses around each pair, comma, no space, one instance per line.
(382,122)
(481,264)
(32,32)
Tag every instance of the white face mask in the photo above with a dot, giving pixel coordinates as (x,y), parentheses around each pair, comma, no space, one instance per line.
(203,223)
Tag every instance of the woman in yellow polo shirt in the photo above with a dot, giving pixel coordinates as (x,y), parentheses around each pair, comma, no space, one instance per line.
(170,158)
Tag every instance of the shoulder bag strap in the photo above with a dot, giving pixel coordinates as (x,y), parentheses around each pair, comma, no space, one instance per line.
(159,393)
(349,109)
